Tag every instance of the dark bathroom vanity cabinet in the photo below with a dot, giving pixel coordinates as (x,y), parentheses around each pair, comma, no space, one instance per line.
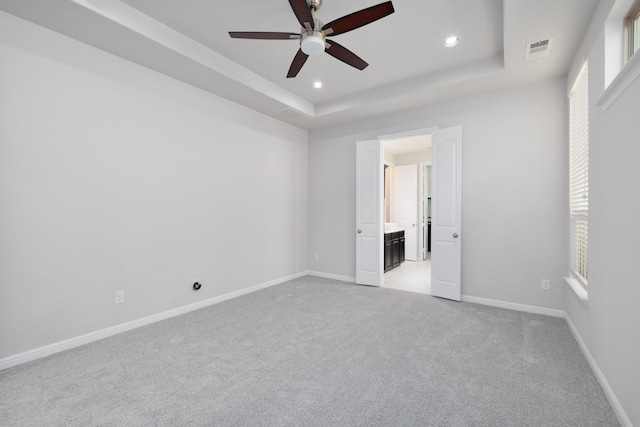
(393,249)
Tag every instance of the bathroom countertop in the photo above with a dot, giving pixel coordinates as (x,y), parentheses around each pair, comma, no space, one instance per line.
(392,230)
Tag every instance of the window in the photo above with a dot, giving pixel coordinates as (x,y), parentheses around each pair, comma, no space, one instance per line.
(632,28)
(579,174)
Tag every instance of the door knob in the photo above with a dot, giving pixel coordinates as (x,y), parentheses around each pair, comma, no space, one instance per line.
(359,231)
(455,235)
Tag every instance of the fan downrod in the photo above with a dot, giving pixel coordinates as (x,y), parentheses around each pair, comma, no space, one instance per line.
(314,4)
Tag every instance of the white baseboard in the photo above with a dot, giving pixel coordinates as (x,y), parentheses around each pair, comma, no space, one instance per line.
(514,306)
(68,344)
(332,276)
(608,391)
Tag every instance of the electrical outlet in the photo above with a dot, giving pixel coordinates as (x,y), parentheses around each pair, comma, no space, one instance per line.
(545,284)
(317,257)
(119,297)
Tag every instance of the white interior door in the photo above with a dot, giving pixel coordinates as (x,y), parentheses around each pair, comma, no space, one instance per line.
(369,213)
(405,202)
(446,215)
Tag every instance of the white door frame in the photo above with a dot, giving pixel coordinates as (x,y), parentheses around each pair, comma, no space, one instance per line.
(386,202)
(406,134)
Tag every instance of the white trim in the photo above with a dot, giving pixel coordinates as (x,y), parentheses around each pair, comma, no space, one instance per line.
(608,391)
(407,134)
(47,350)
(514,306)
(580,291)
(629,73)
(332,276)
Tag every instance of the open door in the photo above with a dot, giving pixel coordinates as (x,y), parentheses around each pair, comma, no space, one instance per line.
(369,213)
(446,215)
(405,203)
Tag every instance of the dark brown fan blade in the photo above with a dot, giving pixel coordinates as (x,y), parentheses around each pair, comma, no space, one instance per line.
(358,19)
(302,11)
(345,55)
(297,63)
(263,36)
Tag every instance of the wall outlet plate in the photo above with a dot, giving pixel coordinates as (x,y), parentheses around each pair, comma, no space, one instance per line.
(545,284)
(119,297)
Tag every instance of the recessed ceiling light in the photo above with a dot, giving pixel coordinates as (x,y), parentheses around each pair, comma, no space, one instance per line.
(451,41)
(317,85)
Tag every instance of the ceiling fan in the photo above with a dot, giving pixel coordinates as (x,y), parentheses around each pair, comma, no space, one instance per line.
(313,35)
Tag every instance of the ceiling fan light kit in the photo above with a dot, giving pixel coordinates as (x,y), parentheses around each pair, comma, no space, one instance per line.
(313,35)
(312,42)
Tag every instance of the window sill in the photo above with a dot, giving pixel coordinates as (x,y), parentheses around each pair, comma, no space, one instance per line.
(581,292)
(623,80)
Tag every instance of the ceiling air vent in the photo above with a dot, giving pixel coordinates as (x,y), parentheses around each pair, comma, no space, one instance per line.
(293,114)
(538,49)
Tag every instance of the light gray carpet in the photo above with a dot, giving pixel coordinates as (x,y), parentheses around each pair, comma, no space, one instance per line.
(315,352)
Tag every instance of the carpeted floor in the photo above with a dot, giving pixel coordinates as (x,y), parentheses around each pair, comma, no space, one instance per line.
(316,352)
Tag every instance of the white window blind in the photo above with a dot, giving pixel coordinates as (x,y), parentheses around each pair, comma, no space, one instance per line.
(579,174)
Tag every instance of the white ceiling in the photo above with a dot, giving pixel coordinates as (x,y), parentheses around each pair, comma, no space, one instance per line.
(409,66)
(407,145)
(384,43)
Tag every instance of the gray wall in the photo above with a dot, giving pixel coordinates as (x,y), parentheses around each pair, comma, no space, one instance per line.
(514,190)
(114,177)
(609,326)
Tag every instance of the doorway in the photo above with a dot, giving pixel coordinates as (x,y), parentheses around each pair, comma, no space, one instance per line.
(446,222)
(407,209)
